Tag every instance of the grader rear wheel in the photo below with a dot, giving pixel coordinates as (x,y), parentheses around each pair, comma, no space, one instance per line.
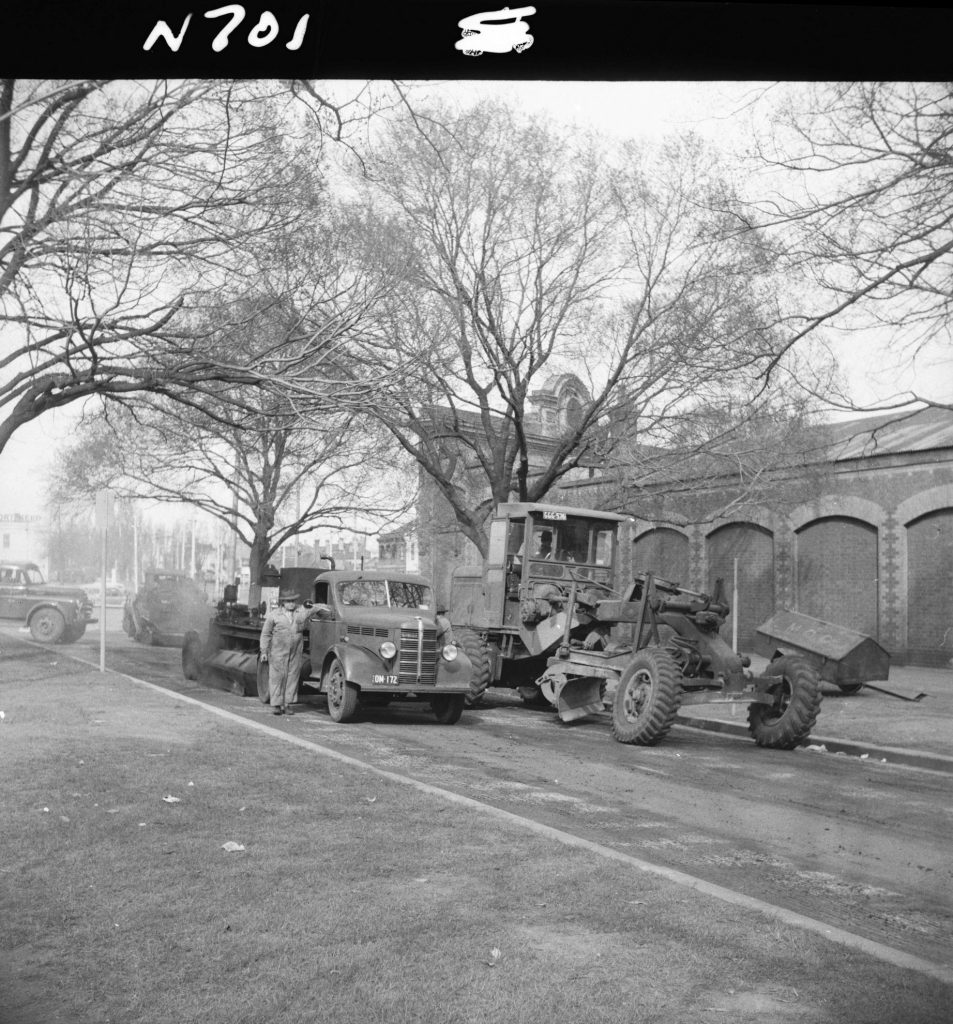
(787,723)
(647,697)
(474,646)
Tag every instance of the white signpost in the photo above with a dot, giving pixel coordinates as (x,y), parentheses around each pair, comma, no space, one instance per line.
(105,516)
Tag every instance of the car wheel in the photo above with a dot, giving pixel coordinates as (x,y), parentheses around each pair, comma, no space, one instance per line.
(73,633)
(47,625)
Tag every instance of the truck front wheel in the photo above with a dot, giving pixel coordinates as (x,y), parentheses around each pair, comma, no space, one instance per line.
(342,695)
(647,697)
(448,707)
(47,625)
(787,722)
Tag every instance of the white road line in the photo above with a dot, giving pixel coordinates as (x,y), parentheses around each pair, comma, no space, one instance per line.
(941,972)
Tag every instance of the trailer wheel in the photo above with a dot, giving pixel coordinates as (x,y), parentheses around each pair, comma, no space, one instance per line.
(787,723)
(47,625)
(342,695)
(262,681)
(474,646)
(647,697)
(448,707)
(192,656)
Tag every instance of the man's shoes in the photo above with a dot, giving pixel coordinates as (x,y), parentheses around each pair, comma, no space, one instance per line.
(288,709)
(277,711)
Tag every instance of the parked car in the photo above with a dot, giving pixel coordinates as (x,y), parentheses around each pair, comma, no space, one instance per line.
(54,614)
(167,606)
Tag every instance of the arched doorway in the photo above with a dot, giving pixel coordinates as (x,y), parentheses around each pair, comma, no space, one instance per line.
(837,573)
(753,546)
(664,552)
(930,588)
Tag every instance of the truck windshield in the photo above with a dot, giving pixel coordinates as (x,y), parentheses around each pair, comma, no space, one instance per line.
(34,576)
(384,594)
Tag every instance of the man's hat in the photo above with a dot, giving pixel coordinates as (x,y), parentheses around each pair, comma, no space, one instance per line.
(288,595)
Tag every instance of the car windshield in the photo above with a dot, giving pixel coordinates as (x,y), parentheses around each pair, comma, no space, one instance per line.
(33,576)
(384,594)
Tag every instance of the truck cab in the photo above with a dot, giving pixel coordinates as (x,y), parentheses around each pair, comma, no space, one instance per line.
(376,636)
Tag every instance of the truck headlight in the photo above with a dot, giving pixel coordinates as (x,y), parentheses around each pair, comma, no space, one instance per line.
(450,652)
(387,650)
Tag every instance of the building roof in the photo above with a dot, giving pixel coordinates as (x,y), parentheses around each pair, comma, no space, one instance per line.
(892,433)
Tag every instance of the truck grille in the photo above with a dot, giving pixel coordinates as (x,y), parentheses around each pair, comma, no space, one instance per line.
(418,646)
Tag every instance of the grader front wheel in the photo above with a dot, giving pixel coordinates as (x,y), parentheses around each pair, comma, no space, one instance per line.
(647,697)
(787,722)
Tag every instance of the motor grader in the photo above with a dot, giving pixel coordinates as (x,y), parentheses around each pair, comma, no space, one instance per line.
(548,616)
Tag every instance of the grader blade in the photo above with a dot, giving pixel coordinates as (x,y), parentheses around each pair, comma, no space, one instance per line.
(573,697)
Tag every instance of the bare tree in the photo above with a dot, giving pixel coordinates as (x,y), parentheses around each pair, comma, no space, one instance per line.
(278,459)
(861,213)
(528,253)
(125,207)
(267,479)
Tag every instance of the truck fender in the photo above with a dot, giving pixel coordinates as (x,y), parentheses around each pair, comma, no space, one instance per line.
(457,671)
(359,663)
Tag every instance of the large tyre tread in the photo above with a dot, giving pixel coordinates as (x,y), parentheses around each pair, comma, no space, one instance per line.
(475,648)
(661,704)
(793,726)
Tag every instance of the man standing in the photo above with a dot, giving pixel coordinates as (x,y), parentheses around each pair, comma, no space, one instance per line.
(282,646)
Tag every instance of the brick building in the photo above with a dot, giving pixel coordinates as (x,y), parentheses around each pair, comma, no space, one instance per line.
(864,537)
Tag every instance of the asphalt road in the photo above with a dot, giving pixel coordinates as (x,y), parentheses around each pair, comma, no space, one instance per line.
(860,845)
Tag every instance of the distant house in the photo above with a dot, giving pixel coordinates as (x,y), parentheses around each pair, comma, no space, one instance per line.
(23,538)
